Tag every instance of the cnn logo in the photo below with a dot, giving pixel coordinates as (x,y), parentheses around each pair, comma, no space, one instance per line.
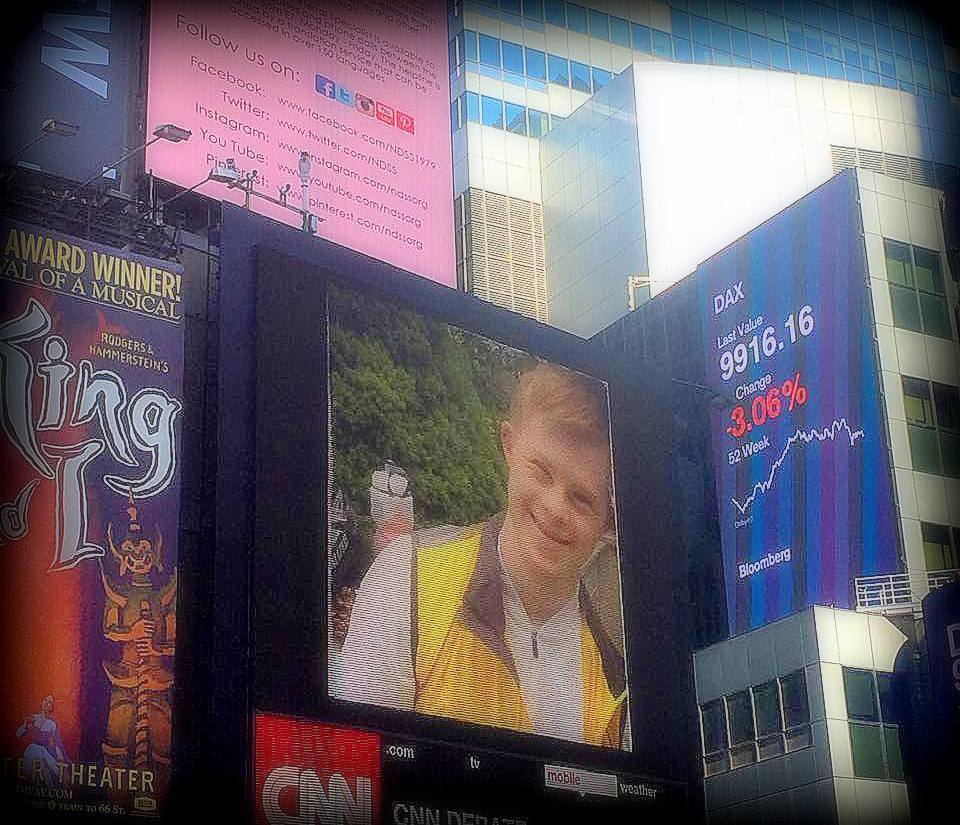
(337,805)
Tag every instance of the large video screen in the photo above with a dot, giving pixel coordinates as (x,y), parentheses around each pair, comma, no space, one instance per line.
(805,494)
(463,543)
(473,560)
(358,92)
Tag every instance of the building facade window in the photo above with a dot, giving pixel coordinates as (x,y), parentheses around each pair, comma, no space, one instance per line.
(539,123)
(489,51)
(558,70)
(866,44)
(661,44)
(473,106)
(499,114)
(874,720)
(754,724)
(536,64)
(743,730)
(512,57)
(933,423)
(491,112)
(640,38)
(516,118)
(576,18)
(713,722)
(556,13)
(471,52)
(599,25)
(580,77)
(522,66)
(941,546)
(766,703)
(619,32)
(796,710)
(533,9)
(917,292)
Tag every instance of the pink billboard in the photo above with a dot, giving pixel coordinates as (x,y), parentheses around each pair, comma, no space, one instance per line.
(360,87)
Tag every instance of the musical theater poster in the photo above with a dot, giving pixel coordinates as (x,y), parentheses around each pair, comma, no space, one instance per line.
(91,367)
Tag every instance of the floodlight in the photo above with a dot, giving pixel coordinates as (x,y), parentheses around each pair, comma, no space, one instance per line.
(52,126)
(225,172)
(49,126)
(168,131)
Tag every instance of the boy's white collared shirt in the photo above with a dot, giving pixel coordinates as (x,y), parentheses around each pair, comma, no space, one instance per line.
(549,663)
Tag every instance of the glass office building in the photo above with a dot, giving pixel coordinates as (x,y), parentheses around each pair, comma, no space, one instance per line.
(519,67)
(670,163)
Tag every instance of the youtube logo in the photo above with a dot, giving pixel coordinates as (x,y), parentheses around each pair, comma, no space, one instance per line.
(385,113)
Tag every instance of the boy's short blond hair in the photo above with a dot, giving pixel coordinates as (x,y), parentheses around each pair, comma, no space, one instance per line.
(574,403)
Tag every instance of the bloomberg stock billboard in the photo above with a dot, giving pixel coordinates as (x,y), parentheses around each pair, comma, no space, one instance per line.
(361,89)
(804,486)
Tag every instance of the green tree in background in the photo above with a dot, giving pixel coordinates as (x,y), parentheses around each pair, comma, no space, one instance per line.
(426,395)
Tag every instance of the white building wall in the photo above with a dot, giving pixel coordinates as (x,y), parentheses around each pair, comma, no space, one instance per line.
(909,213)
(722,149)
(856,640)
(816,783)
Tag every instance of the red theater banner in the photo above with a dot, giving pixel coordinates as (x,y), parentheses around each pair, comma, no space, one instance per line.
(91,364)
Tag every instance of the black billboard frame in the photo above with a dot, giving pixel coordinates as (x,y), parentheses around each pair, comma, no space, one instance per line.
(258,521)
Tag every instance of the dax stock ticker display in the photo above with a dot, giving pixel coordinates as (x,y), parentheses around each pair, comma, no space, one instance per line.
(804,487)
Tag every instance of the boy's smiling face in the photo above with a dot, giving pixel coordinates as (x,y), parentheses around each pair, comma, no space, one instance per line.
(558,505)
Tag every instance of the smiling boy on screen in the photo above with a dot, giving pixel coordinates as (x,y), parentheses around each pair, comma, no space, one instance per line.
(494,625)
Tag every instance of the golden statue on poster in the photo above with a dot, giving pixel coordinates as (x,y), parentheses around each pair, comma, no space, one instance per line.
(140,614)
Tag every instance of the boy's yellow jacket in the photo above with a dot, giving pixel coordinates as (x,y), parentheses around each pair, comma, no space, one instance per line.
(463,667)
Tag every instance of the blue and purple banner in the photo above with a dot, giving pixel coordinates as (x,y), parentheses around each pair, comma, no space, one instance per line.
(804,484)
(74,61)
(91,369)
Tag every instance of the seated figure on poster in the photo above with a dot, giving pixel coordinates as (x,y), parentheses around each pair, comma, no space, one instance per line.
(45,747)
(493,623)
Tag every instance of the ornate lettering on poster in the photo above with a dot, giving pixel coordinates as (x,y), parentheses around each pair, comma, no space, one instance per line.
(91,360)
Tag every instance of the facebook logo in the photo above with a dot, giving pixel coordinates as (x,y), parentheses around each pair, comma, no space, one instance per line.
(326,87)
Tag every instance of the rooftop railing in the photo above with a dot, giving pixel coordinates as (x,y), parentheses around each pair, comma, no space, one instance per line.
(900,592)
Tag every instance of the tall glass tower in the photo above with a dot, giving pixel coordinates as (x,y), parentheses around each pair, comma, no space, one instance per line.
(521,66)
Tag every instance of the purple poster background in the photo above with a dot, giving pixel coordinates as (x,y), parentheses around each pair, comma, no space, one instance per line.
(91,368)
